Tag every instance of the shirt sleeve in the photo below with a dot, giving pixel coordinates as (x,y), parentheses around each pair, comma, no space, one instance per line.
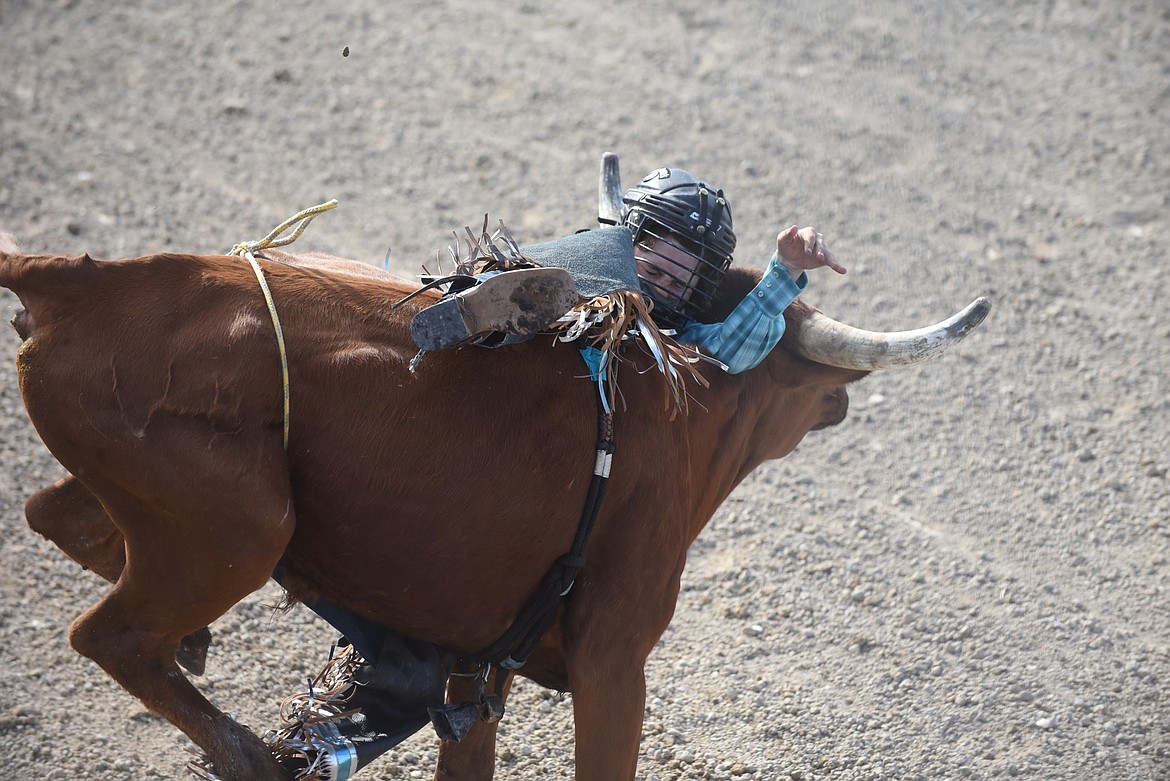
(754,327)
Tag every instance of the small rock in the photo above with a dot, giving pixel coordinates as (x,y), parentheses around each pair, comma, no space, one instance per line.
(233,107)
(1046,723)
(1041,250)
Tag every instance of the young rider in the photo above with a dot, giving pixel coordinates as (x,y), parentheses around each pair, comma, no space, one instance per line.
(682,247)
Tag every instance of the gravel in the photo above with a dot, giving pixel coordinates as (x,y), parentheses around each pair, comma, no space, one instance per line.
(965,580)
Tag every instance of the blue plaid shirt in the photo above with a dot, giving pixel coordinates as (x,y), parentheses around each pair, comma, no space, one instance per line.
(754,327)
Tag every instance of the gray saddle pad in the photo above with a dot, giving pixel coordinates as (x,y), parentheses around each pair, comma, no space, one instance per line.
(601,261)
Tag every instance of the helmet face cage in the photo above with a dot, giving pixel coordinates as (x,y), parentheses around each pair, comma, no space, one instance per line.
(680,291)
(681,228)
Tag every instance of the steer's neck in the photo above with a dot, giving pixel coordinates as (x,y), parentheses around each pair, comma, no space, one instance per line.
(755,416)
(724,447)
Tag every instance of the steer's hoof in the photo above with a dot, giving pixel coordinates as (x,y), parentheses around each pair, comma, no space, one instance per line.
(192,651)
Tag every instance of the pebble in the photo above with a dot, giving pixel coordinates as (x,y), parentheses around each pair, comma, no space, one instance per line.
(233,107)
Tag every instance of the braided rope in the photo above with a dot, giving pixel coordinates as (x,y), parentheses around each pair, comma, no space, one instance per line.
(247,250)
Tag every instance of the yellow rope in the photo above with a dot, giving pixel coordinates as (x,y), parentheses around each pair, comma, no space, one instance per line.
(248,249)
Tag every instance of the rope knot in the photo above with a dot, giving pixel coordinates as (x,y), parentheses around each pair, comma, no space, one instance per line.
(564,572)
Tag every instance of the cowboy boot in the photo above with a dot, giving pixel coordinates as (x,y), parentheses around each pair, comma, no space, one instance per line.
(520,302)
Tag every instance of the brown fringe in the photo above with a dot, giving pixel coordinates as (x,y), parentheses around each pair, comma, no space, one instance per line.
(608,321)
(325,699)
(483,254)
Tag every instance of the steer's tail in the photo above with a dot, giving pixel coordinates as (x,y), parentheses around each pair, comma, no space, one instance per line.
(8,245)
(47,285)
(49,274)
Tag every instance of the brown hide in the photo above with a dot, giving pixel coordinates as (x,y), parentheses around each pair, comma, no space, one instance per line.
(432,501)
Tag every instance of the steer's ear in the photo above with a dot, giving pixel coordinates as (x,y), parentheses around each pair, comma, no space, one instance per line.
(731,291)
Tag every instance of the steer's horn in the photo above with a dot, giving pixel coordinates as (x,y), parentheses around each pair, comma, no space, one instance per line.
(609,191)
(820,338)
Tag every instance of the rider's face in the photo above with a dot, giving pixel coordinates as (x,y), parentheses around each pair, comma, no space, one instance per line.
(666,266)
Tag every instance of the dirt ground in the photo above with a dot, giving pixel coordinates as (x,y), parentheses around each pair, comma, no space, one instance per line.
(966,579)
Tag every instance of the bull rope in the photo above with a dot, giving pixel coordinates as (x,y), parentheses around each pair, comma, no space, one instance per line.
(247,250)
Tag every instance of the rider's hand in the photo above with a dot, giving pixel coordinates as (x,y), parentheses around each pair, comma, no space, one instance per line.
(803,249)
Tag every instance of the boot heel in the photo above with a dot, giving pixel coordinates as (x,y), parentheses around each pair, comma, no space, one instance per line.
(523,302)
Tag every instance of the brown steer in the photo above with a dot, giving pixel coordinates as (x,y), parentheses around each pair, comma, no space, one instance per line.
(432,502)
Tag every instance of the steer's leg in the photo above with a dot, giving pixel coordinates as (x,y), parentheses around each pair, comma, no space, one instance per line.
(71,517)
(68,514)
(615,618)
(473,758)
(609,699)
(188,562)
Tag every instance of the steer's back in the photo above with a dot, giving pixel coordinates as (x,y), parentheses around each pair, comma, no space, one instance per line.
(123,343)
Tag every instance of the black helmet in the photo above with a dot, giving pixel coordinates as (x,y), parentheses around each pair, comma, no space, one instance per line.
(671,207)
